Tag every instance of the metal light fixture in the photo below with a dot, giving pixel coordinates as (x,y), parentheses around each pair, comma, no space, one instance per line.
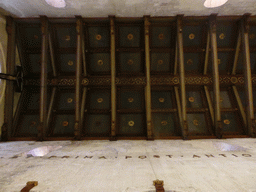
(214,3)
(56,3)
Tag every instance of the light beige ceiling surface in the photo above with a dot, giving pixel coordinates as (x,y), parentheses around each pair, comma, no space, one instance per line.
(125,8)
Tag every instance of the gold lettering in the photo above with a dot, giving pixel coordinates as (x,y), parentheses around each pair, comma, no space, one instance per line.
(196,156)
(143,157)
(223,155)
(246,155)
(126,157)
(170,156)
(102,157)
(156,156)
(209,155)
(234,155)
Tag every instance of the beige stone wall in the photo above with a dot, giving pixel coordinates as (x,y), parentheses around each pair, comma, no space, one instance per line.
(3,51)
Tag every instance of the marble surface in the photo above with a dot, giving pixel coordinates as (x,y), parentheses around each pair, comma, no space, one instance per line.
(119,166)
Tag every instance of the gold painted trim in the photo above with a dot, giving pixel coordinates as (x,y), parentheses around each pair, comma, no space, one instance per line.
(70,63)
(130,99)
(65,123)
(161,100)
(69,100)
(131,123)
(99,100)
(222,36)
(98,37)
(130,36)
(164,123)
(195,122)
(67,38)
(226,121)
(100,62)
(191,99)
(191,36)
(234,80)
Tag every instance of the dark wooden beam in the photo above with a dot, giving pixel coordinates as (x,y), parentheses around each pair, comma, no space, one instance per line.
(7,128)
(216,82)
(182,77)
(238,44)
(206,63)
(43,85)
(50,110)
(113,77)
(18,111)
(79,30)
(251,129)
(148,83)
(206,60)
(240,105)
(52,54)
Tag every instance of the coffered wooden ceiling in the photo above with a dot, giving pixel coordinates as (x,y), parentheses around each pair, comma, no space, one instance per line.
(132,78)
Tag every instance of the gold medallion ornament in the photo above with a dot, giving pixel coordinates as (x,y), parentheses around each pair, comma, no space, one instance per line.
(190,62)
(130,36)
(226,121)
(70,100)
(33,123)
(70,63)
(67,38)
(222,36)
(191,99)
(195,122)
(161,36)
(99,100)
(219,61)
(130,99)
(164,123)
(221,99)
(65,123)
(160,62)
(98,37)
(161,100)
(131,123)
(100,62)
(234,80)
(130,62)
(191,36)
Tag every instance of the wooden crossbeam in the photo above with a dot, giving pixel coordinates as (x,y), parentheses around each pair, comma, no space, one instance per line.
(216,82)
(79,30)
(43,84)
(182,77)
(251,129)
(113,78)
(148,83)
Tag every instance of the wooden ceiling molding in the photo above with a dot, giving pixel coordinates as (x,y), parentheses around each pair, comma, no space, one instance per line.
(180,77)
